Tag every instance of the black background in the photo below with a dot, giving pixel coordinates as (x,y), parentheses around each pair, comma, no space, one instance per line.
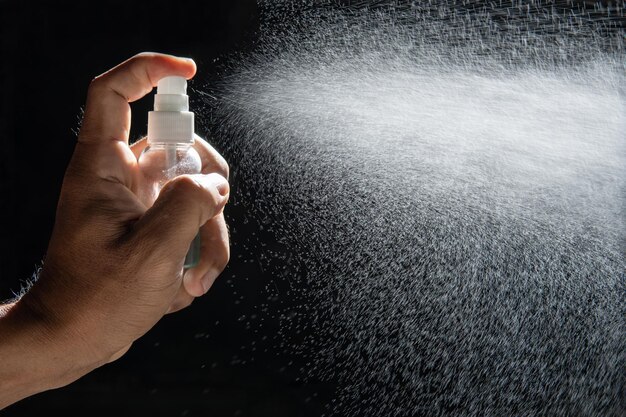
(193,362)
(198,361)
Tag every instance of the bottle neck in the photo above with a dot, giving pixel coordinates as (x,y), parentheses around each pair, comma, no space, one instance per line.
(165,145)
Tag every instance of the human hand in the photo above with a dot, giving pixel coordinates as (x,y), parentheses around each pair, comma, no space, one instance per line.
(114,267)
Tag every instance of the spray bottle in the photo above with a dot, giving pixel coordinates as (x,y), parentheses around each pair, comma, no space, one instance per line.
(170,150)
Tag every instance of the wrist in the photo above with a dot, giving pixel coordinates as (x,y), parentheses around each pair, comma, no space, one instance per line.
(36,354)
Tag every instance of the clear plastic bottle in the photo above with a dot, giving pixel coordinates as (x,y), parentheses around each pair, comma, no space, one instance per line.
(170,150)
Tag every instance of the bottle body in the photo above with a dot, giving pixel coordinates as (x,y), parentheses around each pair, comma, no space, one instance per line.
(161,162)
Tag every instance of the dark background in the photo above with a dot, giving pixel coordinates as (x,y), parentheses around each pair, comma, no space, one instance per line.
(196,362)
(209,358)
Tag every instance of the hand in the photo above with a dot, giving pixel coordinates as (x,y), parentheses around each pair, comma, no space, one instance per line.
(114,267)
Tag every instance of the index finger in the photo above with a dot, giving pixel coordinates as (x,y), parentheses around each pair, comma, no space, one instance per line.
(107,113)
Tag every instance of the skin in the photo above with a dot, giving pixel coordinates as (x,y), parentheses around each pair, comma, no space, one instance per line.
(113,267)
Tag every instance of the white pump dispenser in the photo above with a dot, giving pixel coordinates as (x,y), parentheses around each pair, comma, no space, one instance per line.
(171,121)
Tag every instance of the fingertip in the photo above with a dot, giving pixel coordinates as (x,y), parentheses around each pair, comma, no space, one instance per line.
(158,65)
(191,64)
(193,283)
(183,66)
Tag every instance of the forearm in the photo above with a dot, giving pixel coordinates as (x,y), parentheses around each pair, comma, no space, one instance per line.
(34,357)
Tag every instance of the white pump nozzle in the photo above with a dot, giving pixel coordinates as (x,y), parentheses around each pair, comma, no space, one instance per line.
(171,121)
(172,85)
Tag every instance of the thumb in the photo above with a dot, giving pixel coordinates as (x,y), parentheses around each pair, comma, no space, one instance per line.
(185,204)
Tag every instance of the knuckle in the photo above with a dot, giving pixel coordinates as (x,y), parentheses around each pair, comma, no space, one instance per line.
(183,185)
(188,193)
(186,190)
(96,84)
(211,194)
(138,58)
(95,81)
